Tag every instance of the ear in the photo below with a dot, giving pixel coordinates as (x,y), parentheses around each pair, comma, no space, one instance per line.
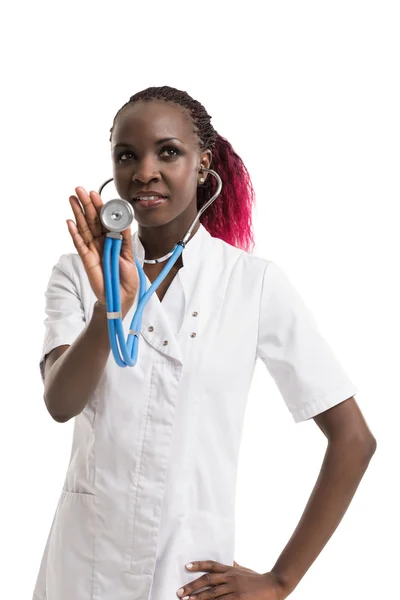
(205,160)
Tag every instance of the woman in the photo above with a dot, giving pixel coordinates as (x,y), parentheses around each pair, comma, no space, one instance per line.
(151,481)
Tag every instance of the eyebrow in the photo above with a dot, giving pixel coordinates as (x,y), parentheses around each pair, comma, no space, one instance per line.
(158,142)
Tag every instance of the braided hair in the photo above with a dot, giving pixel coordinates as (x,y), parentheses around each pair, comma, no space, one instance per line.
(230,216)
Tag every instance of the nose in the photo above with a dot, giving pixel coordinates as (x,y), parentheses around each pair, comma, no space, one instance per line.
(145,171)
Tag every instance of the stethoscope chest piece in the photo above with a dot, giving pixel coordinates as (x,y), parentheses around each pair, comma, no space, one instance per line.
(116,215)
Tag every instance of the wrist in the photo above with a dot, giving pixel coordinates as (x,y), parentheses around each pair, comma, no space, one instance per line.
(101,309)
(100,306)
(282,582)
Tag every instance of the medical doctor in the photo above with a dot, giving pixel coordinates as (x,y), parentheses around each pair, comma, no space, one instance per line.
(148,505)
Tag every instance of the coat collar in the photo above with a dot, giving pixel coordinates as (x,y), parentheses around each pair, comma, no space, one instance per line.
(154,317)
(191,253)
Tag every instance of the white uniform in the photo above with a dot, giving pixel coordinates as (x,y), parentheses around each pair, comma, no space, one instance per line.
(152,476)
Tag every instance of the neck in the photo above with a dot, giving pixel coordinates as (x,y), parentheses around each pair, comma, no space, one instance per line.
(159,241)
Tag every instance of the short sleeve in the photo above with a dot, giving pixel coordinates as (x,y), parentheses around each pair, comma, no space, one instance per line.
(65,317)
(301,362)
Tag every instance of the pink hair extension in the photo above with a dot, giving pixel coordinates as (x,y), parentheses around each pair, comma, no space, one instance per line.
(230,216)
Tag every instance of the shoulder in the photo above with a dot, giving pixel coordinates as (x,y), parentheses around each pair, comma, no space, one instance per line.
(238,258)
(70,267)
(75,265)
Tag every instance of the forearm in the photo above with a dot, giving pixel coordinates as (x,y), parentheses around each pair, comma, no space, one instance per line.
(75,375)
(342,470)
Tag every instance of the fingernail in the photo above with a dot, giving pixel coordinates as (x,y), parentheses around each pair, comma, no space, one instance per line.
(189,566)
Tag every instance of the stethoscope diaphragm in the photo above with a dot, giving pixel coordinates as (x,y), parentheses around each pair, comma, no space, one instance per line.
(116,215)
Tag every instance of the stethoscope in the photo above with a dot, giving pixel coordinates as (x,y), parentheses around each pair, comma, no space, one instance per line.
(116,216)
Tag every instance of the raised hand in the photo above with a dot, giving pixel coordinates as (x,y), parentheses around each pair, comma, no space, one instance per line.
(88,235)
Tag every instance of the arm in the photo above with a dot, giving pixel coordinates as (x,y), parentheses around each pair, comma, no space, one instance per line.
(72,373)
(350,448)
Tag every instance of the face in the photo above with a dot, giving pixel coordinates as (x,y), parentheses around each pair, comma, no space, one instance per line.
(154,148)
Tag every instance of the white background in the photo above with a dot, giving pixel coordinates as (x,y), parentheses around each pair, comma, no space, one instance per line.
(308,94)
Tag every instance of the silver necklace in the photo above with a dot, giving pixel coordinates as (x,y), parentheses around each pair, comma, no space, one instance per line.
(159,260)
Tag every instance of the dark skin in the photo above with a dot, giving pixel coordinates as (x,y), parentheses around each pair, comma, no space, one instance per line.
(171,168)
(142,164)
(349,450)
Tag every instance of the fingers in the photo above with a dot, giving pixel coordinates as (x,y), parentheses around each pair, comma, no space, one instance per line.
(81,223)
(98,204)
(79,243)
(126,248)
(92,204)
(89,225)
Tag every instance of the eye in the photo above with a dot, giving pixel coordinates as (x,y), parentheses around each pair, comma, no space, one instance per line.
(168,148)
(121,156)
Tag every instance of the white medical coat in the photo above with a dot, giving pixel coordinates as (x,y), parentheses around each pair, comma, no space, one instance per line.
(152,475)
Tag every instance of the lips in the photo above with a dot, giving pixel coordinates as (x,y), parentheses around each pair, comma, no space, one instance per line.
(148,194)
(148,197)
(151,203)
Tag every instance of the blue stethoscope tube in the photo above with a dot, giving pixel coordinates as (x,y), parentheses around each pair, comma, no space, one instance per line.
(126,352)
(129,349)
